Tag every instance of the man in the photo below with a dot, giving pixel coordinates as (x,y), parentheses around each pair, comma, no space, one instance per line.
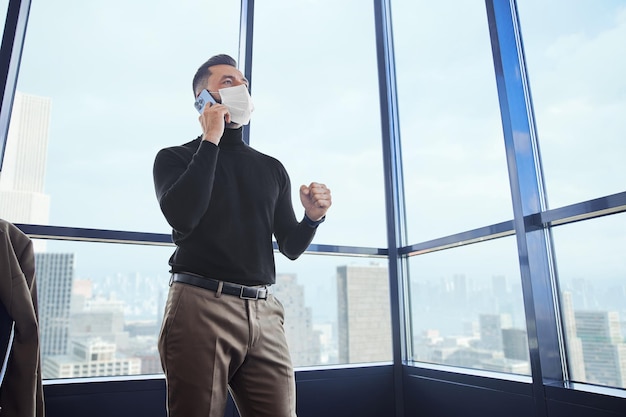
(222,330)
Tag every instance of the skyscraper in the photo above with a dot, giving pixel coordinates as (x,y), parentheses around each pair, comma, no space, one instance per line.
(491,326)
(55,273)
(304,342)
(22,197)
(459,290)
(515,344)
(604,350)
(574,344)
(364,318)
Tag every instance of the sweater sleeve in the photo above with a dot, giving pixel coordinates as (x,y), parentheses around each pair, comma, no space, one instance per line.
(293,237)
(183,188)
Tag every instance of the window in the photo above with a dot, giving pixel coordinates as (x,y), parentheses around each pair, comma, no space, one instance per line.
(592,276)
(100,306)
(576,83)
(466,305)
(467,308)
(111,83)
(100,91)
(315,89)
(109,299)
(452,148)
(336,309)
(578,95)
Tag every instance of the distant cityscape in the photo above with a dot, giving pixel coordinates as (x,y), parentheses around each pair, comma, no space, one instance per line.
(110,325)
(107,325)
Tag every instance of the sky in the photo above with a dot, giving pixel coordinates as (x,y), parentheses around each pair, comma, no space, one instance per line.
(119,75)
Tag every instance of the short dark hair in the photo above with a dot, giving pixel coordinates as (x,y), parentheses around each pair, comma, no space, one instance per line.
(203,73)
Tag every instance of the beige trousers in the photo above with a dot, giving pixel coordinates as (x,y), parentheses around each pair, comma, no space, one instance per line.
(211,344)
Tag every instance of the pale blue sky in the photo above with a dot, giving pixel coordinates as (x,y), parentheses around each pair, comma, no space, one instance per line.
(119,76)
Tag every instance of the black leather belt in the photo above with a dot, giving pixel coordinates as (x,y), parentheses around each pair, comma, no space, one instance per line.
(241,291)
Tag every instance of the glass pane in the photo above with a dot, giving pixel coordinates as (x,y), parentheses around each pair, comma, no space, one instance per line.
(452,148)
(592,276)
(101,308)
(112,83)
(467,308)
(577,80)
(315,90)
(346,300)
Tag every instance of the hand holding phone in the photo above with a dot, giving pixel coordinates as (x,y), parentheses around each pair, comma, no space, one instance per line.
(201,101)
(211,130)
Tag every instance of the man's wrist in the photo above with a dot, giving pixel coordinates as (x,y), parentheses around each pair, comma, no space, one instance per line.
(313,223)
(212,140)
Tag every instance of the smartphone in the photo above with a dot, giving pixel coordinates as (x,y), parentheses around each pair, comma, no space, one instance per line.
(201,101)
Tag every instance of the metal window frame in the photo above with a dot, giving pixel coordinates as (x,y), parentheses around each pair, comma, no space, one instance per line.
(394,198)
(534,241)
(10,57)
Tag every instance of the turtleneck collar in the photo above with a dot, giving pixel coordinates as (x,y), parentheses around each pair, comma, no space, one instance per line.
(232,137)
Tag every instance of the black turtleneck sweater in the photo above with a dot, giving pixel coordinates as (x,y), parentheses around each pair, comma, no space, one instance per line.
(224,203)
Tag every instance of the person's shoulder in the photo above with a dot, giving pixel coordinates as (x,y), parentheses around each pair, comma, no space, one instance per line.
(13,234)
(192,144)
(267,158)
(185,148)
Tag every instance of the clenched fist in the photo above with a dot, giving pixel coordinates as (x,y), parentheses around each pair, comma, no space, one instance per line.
(316,200)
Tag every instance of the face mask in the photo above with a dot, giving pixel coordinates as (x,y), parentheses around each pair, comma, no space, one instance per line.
(239,103)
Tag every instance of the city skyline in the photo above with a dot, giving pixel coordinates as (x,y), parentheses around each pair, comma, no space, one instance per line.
(492,342)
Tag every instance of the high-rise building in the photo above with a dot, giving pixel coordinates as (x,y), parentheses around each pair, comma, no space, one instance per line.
(22,197)
(364,317)
(459,290)
(304,341)
(515,344)
(573,343)
(107,325)
(55,273)
(604,351)
(491,326)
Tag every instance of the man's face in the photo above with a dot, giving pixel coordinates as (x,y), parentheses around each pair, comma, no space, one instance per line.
(224,76)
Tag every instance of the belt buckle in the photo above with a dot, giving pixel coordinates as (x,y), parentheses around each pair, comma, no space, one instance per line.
(246,297)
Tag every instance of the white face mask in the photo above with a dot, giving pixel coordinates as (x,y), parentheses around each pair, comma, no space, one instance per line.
(239,103)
